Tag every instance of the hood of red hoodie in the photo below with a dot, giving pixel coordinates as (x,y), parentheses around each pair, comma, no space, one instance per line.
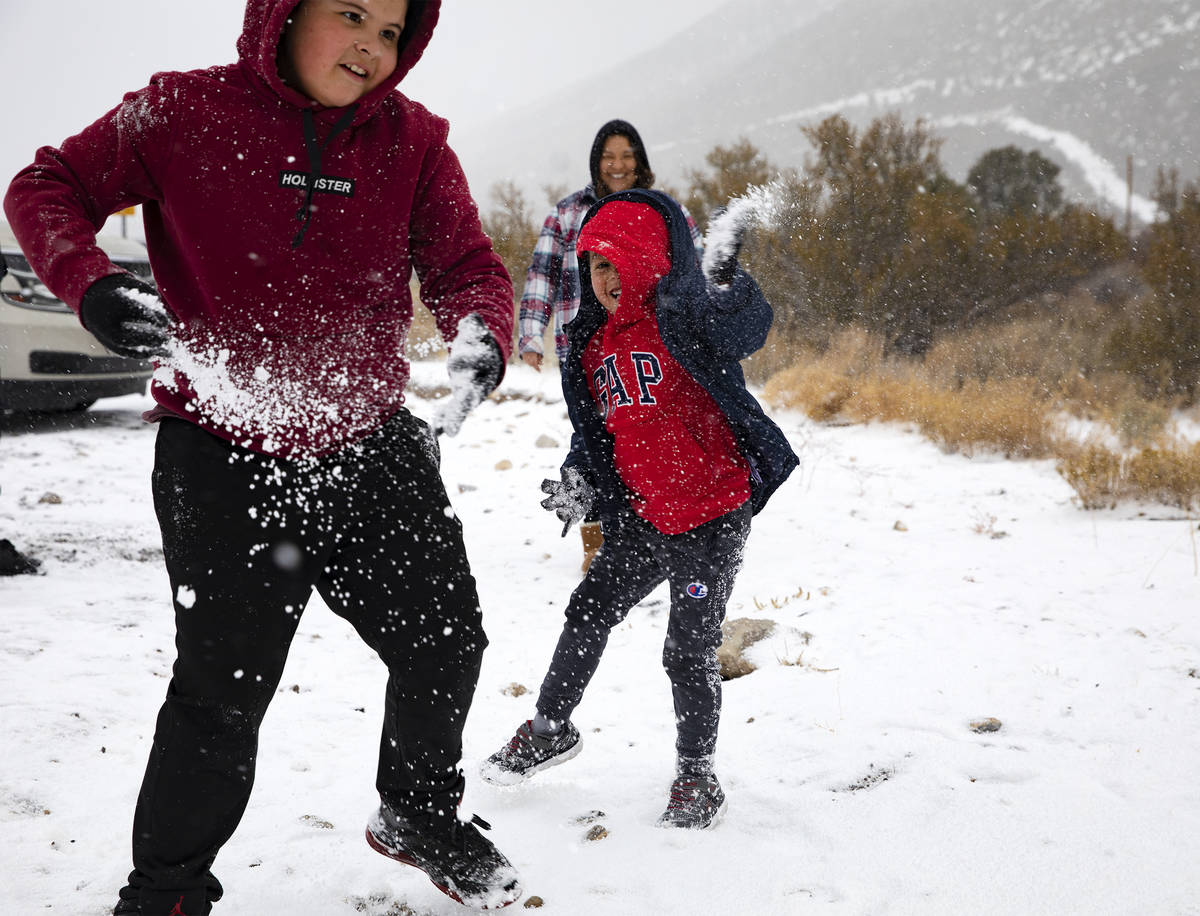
(633,236)
(262,31)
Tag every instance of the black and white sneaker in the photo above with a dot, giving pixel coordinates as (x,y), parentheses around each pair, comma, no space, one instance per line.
(460,861)
(696,803)
(527,753)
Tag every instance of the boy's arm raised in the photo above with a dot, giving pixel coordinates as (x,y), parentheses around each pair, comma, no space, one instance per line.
(732,320)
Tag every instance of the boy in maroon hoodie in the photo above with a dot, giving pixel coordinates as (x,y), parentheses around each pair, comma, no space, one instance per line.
(675,455)
(288,198)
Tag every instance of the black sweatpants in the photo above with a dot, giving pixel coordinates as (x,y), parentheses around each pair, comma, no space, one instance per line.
(246,539)
(700,566)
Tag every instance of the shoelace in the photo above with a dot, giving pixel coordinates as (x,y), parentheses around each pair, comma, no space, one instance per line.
(522,743)
(683,793)
(523,737)
(459,833)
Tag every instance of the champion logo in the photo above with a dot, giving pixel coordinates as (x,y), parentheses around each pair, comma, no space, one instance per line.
(697,590)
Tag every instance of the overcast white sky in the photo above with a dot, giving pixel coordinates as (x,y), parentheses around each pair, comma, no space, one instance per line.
(66,62)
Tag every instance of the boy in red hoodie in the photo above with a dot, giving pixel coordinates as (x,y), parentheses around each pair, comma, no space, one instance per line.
(676,456)
(288,198)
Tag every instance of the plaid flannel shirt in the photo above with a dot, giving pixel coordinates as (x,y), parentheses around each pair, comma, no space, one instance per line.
(552,283)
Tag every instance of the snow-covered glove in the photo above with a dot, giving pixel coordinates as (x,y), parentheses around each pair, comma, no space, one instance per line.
(474,366)
(726,247)
(127,316)
(570,498)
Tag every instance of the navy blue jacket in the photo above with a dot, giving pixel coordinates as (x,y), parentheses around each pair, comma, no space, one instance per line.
(707,330)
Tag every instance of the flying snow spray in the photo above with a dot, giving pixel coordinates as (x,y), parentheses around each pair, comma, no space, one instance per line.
(761,205)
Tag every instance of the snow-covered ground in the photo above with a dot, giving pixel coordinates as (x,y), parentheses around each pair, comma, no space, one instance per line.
(916,593)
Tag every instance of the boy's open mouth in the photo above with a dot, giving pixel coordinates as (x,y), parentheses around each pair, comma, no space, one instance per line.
(355,70)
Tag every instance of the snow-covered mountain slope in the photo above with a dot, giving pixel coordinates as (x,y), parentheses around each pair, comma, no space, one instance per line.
(1088,82)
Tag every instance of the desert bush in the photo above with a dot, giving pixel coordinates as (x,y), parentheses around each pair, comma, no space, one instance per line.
(1168,475)
(872,231)
(513,229)
(1094,473)
(1159,343)
(1007,415)
(1008,179)
(1101,477)
(855,380)
(732,170)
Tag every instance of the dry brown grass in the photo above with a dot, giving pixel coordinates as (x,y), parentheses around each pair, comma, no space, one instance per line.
(1094,473)
(1001,389)
(853,381)
(1101,478)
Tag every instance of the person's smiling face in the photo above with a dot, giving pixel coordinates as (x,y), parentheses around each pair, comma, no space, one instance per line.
(606,283)
(336,51)
(618,164)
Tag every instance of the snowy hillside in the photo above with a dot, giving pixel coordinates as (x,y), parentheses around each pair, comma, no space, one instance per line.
(916,593)
(1088,82)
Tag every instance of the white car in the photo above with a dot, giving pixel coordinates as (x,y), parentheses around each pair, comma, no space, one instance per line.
(48,361)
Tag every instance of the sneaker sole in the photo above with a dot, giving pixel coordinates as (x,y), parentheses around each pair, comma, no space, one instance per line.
(497,776)
(396,856)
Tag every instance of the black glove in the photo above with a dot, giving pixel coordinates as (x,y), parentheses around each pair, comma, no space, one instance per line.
(570,498)
(474,366)
(126,315)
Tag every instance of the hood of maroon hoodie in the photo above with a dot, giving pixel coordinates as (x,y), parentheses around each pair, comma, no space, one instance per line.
(262,31)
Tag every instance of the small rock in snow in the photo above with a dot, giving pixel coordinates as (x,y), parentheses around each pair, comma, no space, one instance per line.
(981,726)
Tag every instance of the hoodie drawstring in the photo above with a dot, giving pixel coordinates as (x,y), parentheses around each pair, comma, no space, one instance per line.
(314,149)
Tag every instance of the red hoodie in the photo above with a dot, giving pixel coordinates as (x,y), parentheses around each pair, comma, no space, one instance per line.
(289,350)
(672,445)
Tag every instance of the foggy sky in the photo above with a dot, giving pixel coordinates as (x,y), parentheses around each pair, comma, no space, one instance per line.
(67,62)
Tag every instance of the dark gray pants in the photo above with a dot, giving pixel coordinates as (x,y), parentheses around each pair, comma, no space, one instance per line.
(700,566)
(246,540)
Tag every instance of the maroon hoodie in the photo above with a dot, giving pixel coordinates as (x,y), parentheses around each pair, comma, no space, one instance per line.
(289,346)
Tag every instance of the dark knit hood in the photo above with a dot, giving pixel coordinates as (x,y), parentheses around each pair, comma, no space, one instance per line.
(262,32)
(645,177)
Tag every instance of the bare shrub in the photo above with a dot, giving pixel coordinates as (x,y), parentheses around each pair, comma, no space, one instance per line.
(854,380)
(1101,477)
(1169,475)
(1094,473)
(1008,415)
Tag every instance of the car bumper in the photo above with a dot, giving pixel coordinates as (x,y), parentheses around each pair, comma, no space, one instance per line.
(48,361)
